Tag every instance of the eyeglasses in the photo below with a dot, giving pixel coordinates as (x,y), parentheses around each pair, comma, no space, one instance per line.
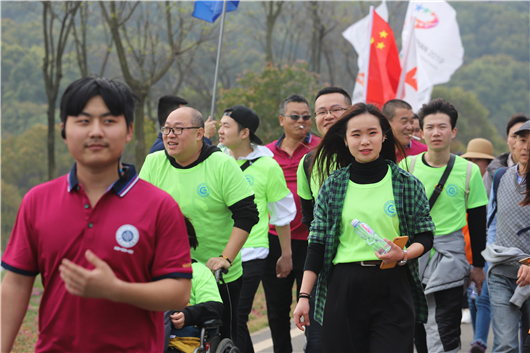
(165,130)
(296,117)
(334,111)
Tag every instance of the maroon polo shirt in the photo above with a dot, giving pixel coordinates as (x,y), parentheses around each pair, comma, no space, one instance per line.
(135,227)
(413,149)
(289,166)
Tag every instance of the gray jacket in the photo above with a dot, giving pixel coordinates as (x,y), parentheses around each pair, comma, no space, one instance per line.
(448,267)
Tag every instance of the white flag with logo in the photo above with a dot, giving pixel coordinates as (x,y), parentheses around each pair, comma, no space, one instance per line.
(439,49)
(408,82)
(357,35)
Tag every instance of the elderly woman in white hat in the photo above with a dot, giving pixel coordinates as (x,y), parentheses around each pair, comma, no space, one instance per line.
(480,152)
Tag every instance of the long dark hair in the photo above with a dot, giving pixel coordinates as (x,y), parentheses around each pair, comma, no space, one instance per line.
(332,154)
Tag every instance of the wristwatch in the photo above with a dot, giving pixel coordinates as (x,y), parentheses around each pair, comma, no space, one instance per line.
(404,260)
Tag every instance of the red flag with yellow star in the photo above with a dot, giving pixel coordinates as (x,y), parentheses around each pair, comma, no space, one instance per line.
(384,68)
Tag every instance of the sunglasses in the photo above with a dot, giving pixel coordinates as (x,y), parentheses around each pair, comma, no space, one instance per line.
(297,117)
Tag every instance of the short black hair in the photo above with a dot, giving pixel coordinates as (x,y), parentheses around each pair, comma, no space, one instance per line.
(117,97)
(166,104)
(389,109)
(192,235)
(516,119)
(296,98)
(332,89)
(416,116)
(439,106)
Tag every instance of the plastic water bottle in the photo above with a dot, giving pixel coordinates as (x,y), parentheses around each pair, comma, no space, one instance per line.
(370,237)
(472,291)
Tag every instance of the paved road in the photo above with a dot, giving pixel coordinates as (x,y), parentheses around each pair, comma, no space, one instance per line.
(263,342)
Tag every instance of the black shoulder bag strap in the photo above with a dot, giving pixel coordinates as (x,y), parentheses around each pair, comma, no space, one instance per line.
(248,163)
(440,186)
(307,167)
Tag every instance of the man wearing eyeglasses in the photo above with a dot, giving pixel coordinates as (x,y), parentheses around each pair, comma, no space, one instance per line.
(210,189)
(288,150)
(330,104)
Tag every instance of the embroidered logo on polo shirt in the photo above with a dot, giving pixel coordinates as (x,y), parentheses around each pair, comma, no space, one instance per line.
(390,208)
(451,190)
(202,190)
(250,179)
(127,236)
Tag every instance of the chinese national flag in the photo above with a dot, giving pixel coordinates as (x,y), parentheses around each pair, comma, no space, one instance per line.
(384,68)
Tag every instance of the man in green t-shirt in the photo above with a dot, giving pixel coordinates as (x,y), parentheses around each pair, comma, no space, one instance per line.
(237,137)
(330,103)
(444,271)
(210,189)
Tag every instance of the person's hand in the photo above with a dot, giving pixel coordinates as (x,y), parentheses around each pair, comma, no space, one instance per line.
(478,276)
(523,276)
(395,254)
(284,265)
(302,312)
(216,263)
(210,128)
(178,319)
(97,283)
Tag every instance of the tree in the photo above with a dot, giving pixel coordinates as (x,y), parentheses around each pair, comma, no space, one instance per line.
(500,83)
(147,46)
(265,91)
(55,40)
(272,11)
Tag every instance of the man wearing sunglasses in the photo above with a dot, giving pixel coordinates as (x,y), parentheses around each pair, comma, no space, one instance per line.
(288,150)
(210,189)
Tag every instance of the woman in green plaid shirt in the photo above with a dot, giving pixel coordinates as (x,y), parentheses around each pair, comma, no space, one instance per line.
(364,308)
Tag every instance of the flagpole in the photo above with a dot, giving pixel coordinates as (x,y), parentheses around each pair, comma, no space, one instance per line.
(401,84)
(212,110)
(367,68)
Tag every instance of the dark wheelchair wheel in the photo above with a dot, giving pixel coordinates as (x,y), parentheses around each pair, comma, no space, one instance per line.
(227,346)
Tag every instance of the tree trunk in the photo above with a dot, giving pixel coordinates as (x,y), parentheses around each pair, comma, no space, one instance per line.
(51,138)
(139,136)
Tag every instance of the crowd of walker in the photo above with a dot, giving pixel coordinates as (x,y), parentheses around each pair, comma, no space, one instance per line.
(127,259)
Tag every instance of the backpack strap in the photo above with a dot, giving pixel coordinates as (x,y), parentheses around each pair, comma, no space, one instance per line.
(308,159)
(412,163)
(468,179)
(440,186)
(496,180)
(248,163)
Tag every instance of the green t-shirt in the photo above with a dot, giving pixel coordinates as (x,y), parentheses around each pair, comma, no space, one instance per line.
(449,211)
(265,177)
(204,193)
(379,213)
(203,285)
(303,189)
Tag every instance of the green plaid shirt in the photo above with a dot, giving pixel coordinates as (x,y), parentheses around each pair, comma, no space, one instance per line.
(412,208)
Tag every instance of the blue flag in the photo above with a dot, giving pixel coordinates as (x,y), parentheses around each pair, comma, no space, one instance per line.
(210,10)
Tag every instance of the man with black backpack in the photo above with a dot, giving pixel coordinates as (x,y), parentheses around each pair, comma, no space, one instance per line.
(237,138)
(454,186)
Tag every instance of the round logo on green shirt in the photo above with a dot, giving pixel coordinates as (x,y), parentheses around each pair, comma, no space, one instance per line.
(390,208)
(250,179)
(451,190)
(202,190)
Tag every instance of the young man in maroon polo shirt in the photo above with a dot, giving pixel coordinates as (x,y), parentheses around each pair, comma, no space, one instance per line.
(288,150)
(112,249)
(401,118)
